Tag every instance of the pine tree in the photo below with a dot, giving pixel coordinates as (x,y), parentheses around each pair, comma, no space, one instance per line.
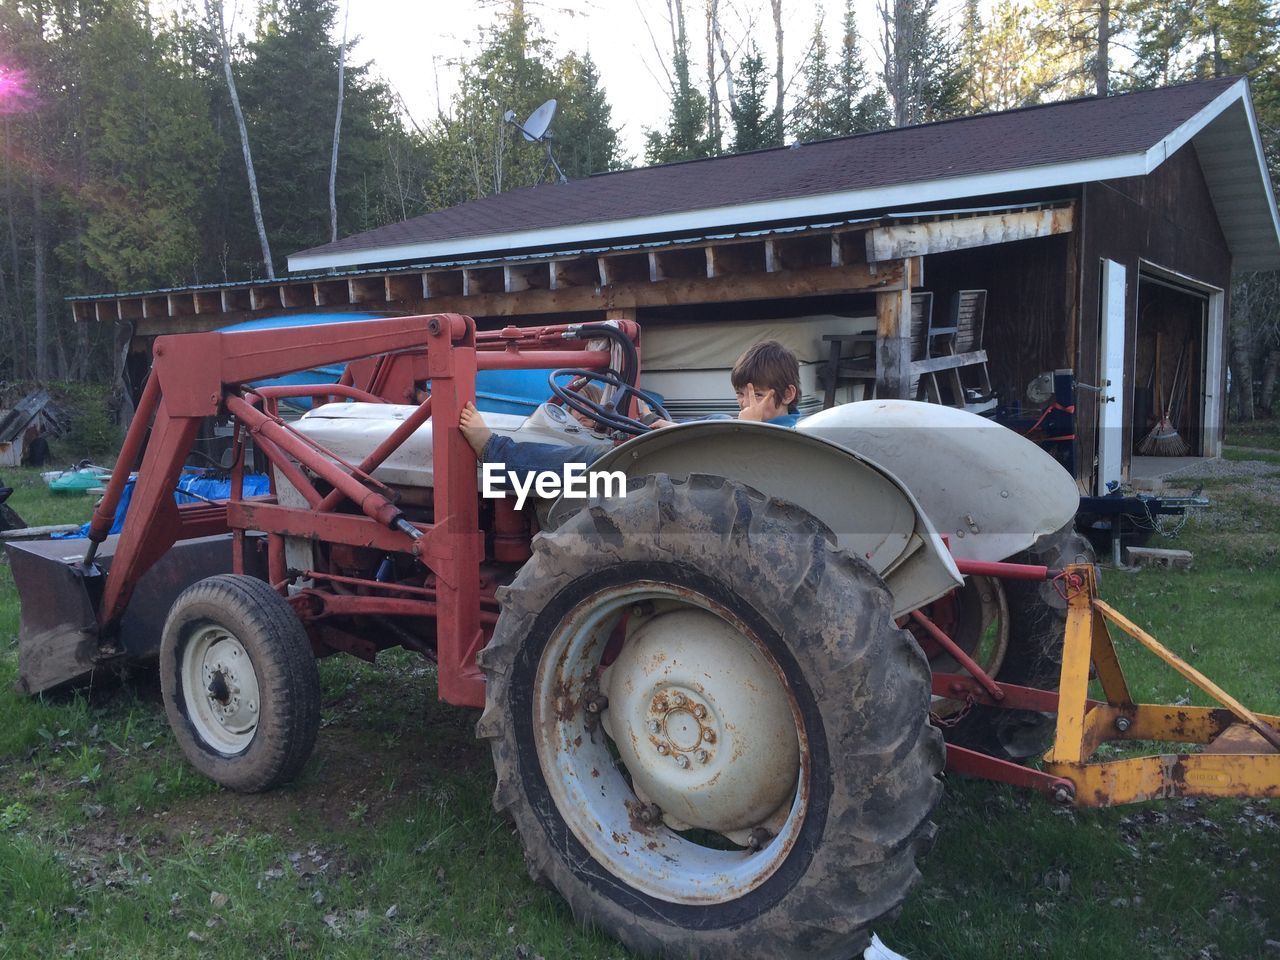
(1000,51)
(288,85)
(1064,35)
(586,140)
(754,121)
(149,157)
(473,152)
(857,107)
(686,136)
(813,117)
(923,74)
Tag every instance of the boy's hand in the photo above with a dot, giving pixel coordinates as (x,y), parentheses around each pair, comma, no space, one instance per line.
(760,406)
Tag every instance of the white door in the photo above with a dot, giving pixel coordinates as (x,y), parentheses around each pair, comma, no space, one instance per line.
(1111,371)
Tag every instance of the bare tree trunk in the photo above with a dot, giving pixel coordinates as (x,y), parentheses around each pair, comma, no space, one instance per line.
(214,8)
(8,302)
(1101,67)
(19,314)
(7,359)
(1242,365)
(675,19)
(779,83)
(713,98)
(897,40)
(1267,395)
(728,65)
(81,372)
(337,131)
(44,368)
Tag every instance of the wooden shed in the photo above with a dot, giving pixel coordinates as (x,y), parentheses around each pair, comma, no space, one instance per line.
(1094,235)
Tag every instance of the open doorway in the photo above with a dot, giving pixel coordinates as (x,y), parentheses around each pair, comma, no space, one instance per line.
(1169,365)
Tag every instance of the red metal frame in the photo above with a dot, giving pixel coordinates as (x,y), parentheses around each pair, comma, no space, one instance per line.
(199,375)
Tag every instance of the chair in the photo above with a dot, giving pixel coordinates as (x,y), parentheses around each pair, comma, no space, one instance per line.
(840,367)
(968,314)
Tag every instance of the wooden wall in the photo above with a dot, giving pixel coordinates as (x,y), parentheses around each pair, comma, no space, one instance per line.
(1030,304)
(1166,218)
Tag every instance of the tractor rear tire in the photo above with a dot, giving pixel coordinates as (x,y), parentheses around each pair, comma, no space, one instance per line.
(240,684)
(1037,629)
(815,626)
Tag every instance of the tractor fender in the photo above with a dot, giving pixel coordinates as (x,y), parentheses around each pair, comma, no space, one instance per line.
(991,491)
(871,512)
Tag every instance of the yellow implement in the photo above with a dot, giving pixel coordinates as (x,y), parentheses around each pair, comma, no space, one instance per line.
(1242,758)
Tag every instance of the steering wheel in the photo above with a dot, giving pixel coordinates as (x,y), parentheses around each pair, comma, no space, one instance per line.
(607,414)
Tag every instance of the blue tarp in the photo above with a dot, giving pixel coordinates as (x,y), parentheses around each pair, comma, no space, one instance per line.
(210,488)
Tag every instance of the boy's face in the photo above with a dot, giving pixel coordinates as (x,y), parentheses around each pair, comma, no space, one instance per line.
(765,401)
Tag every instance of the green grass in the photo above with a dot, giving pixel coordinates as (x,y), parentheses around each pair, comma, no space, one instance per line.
(1237,454)
(111,846)
(1262,433)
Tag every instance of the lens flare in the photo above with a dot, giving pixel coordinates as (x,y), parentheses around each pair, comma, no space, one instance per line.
(15,93)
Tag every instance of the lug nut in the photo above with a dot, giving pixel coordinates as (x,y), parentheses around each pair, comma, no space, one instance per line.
(702,756)
(1061,795)
(650,813)
(708,735)
(678,698)
(597,703)
(699,711)
(654,727)
(682,761)
(663,749)
(642,609)
(759,837)
(1123,724)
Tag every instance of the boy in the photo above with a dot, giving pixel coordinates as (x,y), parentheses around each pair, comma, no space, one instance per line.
(766,384)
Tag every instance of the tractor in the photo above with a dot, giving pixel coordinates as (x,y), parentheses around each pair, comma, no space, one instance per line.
(720,699)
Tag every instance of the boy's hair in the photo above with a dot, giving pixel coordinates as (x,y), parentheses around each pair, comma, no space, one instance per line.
(768,365)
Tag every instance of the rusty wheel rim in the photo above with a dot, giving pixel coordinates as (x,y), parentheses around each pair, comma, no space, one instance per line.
(600,733)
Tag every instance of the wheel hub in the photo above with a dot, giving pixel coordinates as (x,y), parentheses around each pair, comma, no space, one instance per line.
(226,679)
(221,689)
(702,722)
(683,725)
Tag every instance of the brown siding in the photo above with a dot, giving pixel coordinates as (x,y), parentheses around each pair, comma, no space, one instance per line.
(1166,218)
(1029,301)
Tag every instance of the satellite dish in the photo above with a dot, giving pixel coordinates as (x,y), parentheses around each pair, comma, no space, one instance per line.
(535,128)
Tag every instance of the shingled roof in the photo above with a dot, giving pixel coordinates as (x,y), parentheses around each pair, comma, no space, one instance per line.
(1054,144)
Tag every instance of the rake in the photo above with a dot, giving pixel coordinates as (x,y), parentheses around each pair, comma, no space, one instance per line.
(1163,439)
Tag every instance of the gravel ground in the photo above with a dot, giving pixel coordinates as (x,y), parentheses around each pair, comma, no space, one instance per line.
(1260,478)
(1219,469)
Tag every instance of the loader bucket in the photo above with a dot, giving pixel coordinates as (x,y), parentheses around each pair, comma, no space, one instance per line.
(58,638)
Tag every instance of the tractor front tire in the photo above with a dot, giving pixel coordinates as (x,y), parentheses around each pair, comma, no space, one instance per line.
(240,684)
(1037,629)
(711,736)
